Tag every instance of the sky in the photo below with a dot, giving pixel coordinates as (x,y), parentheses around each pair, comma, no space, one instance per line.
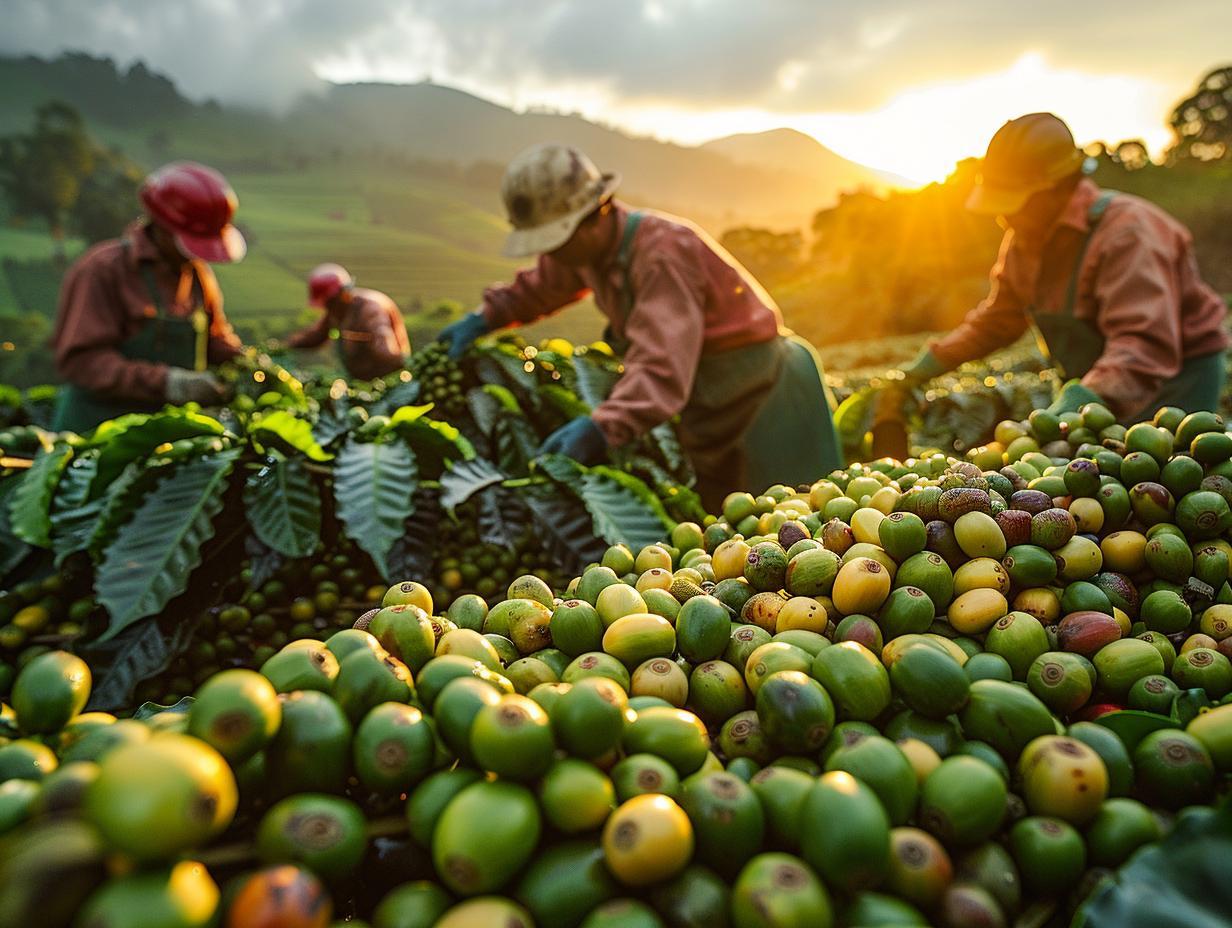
(908,86)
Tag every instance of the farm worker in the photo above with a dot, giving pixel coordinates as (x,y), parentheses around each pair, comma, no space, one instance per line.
(140,317)
(1107,280)
(701,339)
(372,339)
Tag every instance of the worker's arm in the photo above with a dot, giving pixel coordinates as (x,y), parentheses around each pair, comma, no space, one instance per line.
(536,292)
(311,336)
(1139,297)
(90,327)
(665,332)
(997,321)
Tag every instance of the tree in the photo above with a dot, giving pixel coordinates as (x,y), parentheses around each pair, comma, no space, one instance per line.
(770,256)
(1131,155)
(1203,122)
(108,198)
(42,173)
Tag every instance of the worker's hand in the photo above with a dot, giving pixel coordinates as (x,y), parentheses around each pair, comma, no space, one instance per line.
(462,334)
(185,386)
(579,439)
(1074,396)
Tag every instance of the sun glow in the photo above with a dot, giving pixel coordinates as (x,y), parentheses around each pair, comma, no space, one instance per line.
(921,133)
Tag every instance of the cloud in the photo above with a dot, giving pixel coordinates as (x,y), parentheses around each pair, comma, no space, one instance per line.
(787,56)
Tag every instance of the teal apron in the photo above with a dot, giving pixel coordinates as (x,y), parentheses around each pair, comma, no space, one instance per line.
(1073,345)
(757,415)
(162,338)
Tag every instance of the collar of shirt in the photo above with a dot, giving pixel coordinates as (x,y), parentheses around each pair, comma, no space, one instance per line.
(140,246)
(1075,213)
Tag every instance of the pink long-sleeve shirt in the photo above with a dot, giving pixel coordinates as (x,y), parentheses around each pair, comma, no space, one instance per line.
(1138,284)
(692,298)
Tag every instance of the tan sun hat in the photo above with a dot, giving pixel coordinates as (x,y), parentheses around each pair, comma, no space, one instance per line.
(548,190)
(1027,155)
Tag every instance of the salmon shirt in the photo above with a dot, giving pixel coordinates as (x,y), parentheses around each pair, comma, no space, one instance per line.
(371,331)
(691,299)
(1138,284)
(104,300)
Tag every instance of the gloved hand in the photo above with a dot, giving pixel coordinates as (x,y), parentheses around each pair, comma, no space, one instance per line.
(185,386)
(1074,396)
(579,439)
(924,368)
(461,335)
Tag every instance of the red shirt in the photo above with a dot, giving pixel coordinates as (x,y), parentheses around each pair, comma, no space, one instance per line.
(104,301)
(1139,284)
(692,298)
(372,331)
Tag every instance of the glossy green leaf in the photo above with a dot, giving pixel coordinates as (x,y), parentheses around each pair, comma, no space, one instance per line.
(120,503)
(1180,882)
(374,486)
(141,651)
(284,507)
(133,437)
(594,380)
(466,478)
(294,432)
(12,549)
(563,401)
(1132,725)
(563,526)
(415,551)
(73,514)
(30,506)
(624,509)
(153,556)
(406,414)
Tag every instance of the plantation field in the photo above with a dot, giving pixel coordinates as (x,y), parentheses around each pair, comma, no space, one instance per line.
(418,239)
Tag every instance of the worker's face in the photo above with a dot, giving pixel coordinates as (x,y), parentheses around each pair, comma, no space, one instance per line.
(589,240)
(1038,214)
(338,303)
(165,242)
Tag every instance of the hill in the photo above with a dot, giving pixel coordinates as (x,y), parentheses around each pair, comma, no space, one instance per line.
(801,156)
(397,182)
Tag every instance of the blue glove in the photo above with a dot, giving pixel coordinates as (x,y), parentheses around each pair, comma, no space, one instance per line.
(1073,396)
(462,334)
(579,439)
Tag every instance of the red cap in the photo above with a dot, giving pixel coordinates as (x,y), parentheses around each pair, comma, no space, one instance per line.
(325,282)
(195,204)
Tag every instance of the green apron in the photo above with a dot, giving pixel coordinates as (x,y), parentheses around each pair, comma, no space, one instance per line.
(757,415)
(1073,345)
(163,338)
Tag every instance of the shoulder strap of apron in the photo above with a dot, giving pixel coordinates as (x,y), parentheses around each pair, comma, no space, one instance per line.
(147,275)
(1094,214)
(624,260)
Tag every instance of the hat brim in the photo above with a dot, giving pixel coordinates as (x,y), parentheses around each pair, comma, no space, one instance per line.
(986,200)
(539,240)
(227,247)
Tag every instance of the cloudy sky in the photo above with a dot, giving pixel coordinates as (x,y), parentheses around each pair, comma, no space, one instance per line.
(905,85)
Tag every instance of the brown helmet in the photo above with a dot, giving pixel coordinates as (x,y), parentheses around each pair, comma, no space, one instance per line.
(548,190)
(1027,155)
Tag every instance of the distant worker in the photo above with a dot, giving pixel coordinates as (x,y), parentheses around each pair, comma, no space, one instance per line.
(372,339)
(1108,280)
(140,318)
(699,335)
